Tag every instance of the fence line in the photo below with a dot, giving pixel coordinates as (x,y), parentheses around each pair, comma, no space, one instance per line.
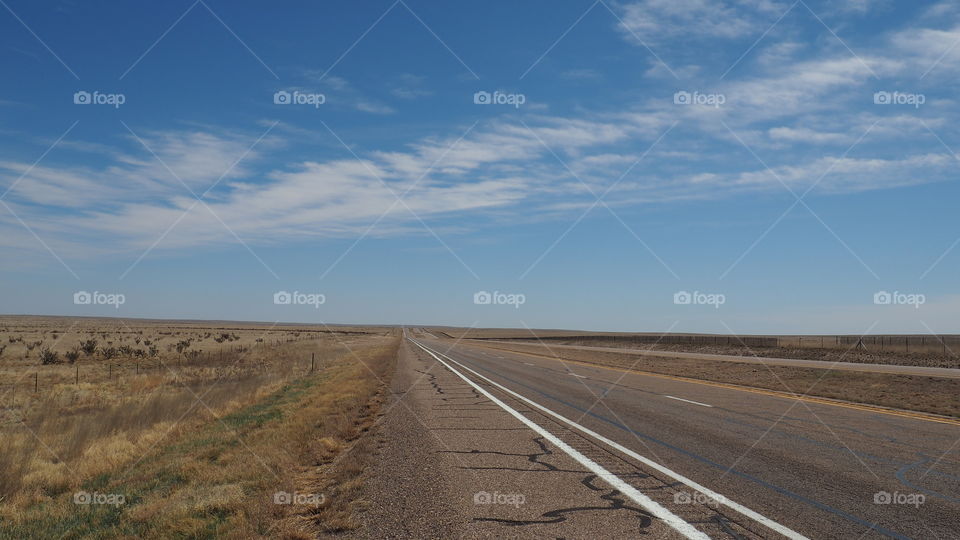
(45,376)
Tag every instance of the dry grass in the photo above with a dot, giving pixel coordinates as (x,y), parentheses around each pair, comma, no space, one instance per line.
(185,467)
(342,456)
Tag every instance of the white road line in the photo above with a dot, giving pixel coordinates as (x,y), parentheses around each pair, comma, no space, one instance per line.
(671,519)
(581,376)
(688,401)
(528,364)
(720,499)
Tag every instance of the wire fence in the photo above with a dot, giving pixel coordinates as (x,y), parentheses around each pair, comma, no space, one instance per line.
(35,381)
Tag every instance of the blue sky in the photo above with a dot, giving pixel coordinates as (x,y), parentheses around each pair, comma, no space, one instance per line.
(783,162)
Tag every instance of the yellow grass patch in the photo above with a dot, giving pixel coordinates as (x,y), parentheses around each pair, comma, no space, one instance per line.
(266,424)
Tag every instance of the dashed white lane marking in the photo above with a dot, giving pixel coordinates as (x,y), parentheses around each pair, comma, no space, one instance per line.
(581,376)
(688,401)
(528,364)
(668,517)
(720,499)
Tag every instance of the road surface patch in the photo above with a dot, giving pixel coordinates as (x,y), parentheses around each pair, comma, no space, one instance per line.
(720,499)
(810,399)
(671,519)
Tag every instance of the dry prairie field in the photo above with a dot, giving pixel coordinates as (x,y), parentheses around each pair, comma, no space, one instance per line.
(118,428)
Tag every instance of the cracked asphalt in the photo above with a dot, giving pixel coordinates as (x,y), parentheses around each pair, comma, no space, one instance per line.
(453,464)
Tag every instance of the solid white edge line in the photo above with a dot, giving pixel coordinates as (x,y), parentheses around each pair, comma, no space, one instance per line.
(720,499)
(687,400)
(671,519)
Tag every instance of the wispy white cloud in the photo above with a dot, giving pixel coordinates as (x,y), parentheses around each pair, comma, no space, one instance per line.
(809,136)
(498,167)
(933,52)
(800,105)
(658,20)
(409,86)
(160,165)
(339,92)
(132,200)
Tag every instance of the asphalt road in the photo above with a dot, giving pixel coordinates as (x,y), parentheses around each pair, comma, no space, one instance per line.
(689,459)
(792,362)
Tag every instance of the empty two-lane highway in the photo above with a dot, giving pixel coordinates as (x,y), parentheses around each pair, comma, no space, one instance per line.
(780,467)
